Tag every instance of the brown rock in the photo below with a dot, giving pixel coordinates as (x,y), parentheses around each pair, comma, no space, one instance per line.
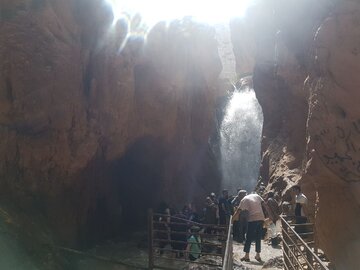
(91,120)
(309,99)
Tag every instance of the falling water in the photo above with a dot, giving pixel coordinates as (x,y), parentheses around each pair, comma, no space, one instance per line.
(240,139)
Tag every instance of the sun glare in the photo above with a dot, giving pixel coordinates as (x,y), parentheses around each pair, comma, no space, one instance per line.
(206,11)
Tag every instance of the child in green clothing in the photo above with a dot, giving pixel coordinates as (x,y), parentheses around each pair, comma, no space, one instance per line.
(193,248)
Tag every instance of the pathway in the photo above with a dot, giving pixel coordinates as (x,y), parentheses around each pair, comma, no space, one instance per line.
(271,257)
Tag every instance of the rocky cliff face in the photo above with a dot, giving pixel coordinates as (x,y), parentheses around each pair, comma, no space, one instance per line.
(97,125)
(305,66)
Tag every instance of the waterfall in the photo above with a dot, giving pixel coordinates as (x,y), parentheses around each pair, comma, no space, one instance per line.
(240,134)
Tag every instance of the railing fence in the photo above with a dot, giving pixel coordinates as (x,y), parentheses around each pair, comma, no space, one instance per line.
(299,246)
(165,230)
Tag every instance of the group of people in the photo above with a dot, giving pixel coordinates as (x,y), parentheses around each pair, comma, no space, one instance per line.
(248,212)
(252,211)
(173,227)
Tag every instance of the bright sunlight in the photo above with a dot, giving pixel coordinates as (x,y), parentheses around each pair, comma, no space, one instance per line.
(206,11)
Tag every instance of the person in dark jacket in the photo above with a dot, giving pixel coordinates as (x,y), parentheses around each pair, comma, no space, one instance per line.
(210,214)
(240,222)
(178,233)
(224,208)
(162,226)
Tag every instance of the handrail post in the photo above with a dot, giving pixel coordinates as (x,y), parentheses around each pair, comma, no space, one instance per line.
(231,262)
(316,251)
(151,239)
(228,255)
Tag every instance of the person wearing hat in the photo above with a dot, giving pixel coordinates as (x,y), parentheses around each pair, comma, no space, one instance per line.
(193,249)
(213,198)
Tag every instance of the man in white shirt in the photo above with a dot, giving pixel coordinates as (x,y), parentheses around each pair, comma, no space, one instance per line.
(253,204)
(300,209)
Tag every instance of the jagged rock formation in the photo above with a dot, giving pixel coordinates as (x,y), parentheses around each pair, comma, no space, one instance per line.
(96,126)
(307,84)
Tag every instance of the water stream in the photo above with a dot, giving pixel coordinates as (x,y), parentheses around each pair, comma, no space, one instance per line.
(241,139)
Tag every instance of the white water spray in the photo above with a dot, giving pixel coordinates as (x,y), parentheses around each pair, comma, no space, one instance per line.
(241,140)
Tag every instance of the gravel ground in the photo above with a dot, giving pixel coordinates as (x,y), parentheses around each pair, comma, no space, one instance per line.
(272,257)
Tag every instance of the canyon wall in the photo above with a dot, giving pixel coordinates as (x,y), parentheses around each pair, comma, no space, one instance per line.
(305,61)
(98,124)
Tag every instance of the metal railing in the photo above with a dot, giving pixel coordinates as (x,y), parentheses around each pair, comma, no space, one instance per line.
(297,246)
(228,256)
(165,230)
